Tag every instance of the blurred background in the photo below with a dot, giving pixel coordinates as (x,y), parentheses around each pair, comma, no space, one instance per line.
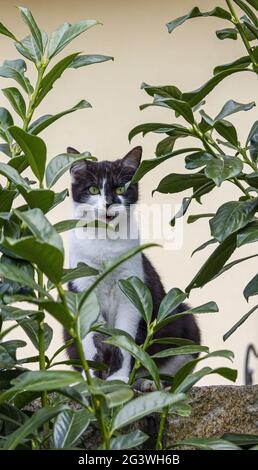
(135,34)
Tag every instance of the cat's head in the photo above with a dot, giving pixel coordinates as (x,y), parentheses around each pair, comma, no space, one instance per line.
(103,185)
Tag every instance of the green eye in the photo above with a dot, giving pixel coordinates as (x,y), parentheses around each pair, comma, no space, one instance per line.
(93,190)
(120,190)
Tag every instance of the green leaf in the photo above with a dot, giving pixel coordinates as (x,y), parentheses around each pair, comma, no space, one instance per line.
(210,443)
(66,225)
(180,107)
(228,131)
(170,302)
(195,96)
(214,263)
(88,315)
(197,160)
(16,274)
(176,182)
(167,91)
(239,323)
(139,294)
(223,168)
(16,69)
(60,38)
(6,32)
(251,27)
(59,164)
(83,60)
(251,288)
(51,77)
(194,13)
(231,107)
(118,397)
(227,33)
(253,3)
(81,270)
(34,29)
(43,122)
(193,218)
(233,263)
(6,199)
(180,351)
(69,426)
(157,127)
(41,227)
(12,175)
(29,48)
(128,344)
(240,439)
(192,379)
(16,100)
(34,149)
(8,354)
(148,165)
(31,425)
(39,198)
(144,405)
(37,381)
(231,217)
(128,441)
(241,62)
(31,328)
(253,132)
(165,146)
(248,235)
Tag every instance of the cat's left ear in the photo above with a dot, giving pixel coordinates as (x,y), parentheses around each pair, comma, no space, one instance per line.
(71,150)
(133,158)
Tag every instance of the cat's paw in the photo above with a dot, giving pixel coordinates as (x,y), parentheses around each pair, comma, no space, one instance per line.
(117,376)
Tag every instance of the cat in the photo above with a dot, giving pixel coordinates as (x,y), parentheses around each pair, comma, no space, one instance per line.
(103,186)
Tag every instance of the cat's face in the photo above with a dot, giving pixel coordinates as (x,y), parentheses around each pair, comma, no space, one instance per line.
(101,186)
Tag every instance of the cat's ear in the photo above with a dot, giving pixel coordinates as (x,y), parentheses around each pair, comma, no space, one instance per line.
(71,150)
(133,158)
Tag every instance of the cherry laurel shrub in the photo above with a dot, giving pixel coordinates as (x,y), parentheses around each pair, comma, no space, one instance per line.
(219,157)
(34,279)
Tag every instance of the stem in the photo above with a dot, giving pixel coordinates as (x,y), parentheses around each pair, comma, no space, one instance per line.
(240,186)
(163,419)
(241,31)
(96,402)
(33,97)
(42,359)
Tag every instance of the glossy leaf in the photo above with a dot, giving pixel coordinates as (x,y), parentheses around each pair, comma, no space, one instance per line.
(81,270)
(6,199)
(31,425)
(251,288)
(248,234)
(69,426)
(16,100)
(148,165)
(184,350)
(51,77)
(242,62)
(10,271)
(180,107)
(239,323)
(59,164)
(224,168)
(46,380)
(227,33)
(176,182)
(157,127)
(89,59)
(39,198)
(194,13)
(16,69)
(34,29)
(231,107)
(31,328)
(214,263)
(170,302)
(144,405)
(34,149)
(43,122)
(128,441)
(231,217)
(88,315)
(210,443)
(228,131)
(5,32)
(139,354)
(195,96)
(139,294)
(118,397)
(253,3)
(60,38)
(29,48)
(197,160)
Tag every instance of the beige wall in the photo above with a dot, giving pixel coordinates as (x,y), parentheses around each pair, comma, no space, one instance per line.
(134,33)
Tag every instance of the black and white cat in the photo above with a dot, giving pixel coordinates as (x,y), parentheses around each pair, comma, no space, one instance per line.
(103,187)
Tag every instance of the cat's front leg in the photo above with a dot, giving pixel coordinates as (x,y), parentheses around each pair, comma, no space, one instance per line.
(90,349)
(128,320)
